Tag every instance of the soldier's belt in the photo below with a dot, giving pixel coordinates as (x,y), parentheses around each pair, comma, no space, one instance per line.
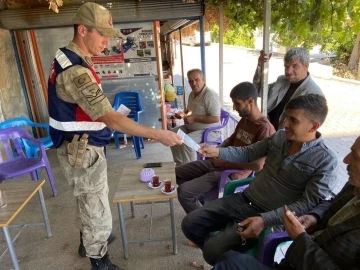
(76,150)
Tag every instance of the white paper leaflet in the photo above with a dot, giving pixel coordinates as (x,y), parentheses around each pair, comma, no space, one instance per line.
(188,141)
(123,110)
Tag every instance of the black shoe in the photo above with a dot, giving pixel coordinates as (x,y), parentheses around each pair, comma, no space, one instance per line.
(82,250)
(103,264)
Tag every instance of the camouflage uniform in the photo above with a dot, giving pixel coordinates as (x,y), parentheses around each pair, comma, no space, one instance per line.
(78,85)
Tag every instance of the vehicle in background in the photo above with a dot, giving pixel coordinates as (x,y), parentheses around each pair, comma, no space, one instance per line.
(317,53)
(194,39)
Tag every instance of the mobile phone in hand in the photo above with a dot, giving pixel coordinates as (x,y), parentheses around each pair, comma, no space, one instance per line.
(241,228)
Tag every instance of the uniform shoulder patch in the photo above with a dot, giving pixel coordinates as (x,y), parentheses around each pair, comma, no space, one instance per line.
(82,80)
(93,93)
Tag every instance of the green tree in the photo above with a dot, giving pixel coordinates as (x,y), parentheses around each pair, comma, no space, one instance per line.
(332,23)
(234,35)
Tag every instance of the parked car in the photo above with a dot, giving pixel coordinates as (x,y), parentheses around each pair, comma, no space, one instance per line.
(194,39)
(316,53)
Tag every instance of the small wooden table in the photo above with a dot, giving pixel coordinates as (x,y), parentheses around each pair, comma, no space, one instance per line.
(18,194)
(132,190)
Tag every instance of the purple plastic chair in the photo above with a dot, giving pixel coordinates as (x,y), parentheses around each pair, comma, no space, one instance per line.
(16,162)
(30,148)
(269,245)
(224,119)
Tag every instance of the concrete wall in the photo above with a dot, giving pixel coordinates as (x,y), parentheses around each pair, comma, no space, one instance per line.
(12,100)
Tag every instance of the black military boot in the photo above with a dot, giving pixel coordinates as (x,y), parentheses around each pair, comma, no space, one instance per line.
(103,264)
(82,250)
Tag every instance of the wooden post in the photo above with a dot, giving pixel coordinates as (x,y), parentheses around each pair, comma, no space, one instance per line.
(160,73)
(182,70)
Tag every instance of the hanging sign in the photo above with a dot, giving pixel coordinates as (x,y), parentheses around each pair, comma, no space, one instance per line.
(139,51)
(131,55)
(110,64)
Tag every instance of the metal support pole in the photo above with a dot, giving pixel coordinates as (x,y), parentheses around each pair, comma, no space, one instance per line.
(265,67)
(11,248)
(173,227)
(202,44)
(44,212)
(132,207)
(221,54)
(123,231)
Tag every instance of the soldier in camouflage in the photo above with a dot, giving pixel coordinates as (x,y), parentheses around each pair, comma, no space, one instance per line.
(81,123)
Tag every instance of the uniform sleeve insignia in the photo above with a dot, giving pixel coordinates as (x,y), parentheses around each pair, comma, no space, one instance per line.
(93,94)
(82,80)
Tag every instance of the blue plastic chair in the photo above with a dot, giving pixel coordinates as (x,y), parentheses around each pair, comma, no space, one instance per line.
(132,101)
(31,149)
(12,166)
(224,119)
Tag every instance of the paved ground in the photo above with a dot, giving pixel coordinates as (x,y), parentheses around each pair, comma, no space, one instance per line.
(35,252)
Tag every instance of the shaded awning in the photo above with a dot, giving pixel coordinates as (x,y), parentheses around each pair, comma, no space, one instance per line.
(35,14)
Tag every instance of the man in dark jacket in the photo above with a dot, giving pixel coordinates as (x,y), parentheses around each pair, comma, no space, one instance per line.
(335,242)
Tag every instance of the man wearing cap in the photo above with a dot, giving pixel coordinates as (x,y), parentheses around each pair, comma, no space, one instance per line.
(78,108)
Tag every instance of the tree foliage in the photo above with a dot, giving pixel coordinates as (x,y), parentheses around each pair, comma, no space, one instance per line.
(332,23)
(234,35)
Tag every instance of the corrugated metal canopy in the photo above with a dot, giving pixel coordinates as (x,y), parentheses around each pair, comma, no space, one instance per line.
(33,14)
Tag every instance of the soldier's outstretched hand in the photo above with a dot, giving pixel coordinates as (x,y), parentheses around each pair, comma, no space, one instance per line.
(169,138)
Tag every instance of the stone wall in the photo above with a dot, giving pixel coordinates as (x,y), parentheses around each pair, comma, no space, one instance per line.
(12,100)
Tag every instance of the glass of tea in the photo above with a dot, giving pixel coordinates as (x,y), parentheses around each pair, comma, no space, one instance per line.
(155,181)
(167,183)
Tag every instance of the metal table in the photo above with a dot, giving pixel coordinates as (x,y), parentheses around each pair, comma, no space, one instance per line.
(131,189)
(18,194)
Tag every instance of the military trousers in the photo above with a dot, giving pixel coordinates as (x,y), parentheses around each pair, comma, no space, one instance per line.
(91,190)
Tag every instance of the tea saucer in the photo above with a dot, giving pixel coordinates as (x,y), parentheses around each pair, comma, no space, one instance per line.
(151,186)
(173,189)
